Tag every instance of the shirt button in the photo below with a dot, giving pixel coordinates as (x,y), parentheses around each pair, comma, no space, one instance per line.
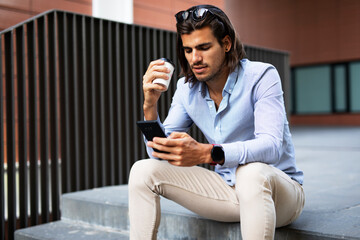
(210,106)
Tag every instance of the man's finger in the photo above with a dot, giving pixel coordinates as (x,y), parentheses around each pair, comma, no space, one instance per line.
(165,156)
(167,141)
(175,135)
(151,87)
(160,147)
(156,62)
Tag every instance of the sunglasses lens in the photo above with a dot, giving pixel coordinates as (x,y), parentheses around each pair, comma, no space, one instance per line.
(197,14)
(185,15)
(200,13)
(181,16)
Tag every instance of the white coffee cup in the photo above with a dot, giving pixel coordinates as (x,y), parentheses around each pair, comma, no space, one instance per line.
(164,82)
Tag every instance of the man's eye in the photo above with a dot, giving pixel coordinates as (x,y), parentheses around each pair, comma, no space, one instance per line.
(204,48)
(187,50)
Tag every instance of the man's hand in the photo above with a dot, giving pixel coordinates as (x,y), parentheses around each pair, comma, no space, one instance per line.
(182,150)
(152,91)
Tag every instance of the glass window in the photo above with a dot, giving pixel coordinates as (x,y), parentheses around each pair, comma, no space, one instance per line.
(313,89)
(340,88)
(354,77)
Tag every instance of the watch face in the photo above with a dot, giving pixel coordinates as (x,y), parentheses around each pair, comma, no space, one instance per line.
(217,153)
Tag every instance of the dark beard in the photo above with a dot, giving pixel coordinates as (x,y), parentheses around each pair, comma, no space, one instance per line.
(213,76)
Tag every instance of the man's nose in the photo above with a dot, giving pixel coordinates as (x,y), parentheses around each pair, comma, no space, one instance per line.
(196,56)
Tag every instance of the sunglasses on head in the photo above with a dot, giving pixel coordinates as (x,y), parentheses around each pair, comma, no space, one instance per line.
(197,14)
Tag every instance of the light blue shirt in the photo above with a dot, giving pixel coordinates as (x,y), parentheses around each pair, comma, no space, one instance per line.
(250,122)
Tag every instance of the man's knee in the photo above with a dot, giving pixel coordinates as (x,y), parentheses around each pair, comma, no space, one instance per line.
(144,173)
(256,171)
(252,179)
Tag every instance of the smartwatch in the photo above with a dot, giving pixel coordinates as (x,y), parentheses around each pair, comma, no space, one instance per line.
(217,154)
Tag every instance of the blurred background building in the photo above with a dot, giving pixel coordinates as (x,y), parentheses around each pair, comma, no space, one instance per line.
(321,36)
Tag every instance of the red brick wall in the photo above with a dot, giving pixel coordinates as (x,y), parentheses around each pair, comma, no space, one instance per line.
(160,13)
(326,120)
(16,11)
(313,31)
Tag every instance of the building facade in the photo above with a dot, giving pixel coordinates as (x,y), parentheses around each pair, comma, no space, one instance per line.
(321,36)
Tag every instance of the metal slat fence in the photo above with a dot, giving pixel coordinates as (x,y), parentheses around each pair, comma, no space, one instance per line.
(70,90)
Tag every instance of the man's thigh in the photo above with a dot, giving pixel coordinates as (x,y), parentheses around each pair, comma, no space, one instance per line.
(287,195)
(200,190)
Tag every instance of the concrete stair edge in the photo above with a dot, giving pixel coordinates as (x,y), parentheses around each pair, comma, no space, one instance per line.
(106,209)
(72,230)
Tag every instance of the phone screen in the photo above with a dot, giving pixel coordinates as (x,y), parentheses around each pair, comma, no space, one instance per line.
(151,129)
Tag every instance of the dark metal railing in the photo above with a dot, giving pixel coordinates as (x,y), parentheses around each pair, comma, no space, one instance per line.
(71,92)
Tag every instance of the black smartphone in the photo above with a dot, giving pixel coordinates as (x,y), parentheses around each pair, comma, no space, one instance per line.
(151,129)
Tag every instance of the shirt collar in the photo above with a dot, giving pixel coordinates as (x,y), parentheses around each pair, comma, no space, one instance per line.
(231,81)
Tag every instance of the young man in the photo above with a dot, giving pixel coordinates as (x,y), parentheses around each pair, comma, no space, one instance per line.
(238,105)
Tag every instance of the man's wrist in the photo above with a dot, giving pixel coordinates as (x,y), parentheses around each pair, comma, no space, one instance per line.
(150,112)
(208,159)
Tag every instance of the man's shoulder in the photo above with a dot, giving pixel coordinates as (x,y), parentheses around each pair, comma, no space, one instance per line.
(255,67)
(254,70)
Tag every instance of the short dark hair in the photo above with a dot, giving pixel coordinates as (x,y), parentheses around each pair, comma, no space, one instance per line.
(220,26)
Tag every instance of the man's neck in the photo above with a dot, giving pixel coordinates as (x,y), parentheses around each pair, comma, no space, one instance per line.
(217,84)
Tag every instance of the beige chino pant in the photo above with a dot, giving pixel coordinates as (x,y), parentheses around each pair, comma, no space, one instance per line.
(263,197)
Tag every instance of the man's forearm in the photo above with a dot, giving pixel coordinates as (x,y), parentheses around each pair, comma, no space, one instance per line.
(150,113)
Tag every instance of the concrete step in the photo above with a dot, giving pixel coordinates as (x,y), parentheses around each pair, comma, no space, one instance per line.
(108,207)
(67,230)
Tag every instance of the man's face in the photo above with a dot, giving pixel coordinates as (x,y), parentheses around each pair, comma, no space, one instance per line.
(204,54)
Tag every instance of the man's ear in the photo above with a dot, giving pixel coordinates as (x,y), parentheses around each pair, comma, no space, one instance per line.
(227,43)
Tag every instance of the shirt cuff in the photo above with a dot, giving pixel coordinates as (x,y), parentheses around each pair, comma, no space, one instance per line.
(232,154)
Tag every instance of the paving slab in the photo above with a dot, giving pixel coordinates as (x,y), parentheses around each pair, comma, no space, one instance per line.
(330,159)
(63,230)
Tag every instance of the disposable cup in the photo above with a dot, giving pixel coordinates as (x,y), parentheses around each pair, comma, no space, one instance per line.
(164,82)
